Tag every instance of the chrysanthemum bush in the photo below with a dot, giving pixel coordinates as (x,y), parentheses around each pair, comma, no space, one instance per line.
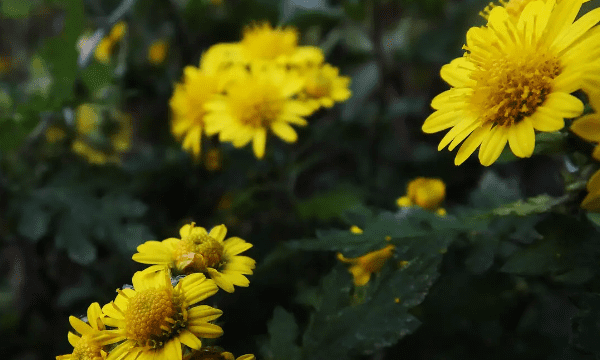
(313,139)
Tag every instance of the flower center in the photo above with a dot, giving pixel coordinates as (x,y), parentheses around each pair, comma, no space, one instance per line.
(318,86)
(86,350)
(152,316)
(511,88)
(257,105)
(196,253)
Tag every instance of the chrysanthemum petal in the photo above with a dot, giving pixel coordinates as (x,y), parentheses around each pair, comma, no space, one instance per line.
(120,350)
(73,339)
(563,105)
(284,131)
(206,330)
(471,143)
(218,232)
(546,121)
(562,18)
(235,245)
(189,339)
(259,142)
(236,278)
(222,281)
(587,127)
(172,350)
(94,315)
(454,98)
(106,337)
(153,257)
(521,138)
(80,326)
(187,229)
(578,29)
(492,146)
(441,120)
(203,313)
(459,132)
(458,72)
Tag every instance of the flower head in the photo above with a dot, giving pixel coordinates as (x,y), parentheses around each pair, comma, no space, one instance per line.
(155,318)
(84,346)
(516,77)
(157,52)
(187,105)
(323,86)
(362,267)
(202,252)
(260,100)
(263,42)
(424,192)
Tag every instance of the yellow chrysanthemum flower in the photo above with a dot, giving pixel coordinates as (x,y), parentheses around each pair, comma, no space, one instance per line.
(362,267)
(323,87)
(426,193)
(263,42)
(356,230)
(259,101)
(118,31)
(157,52)
(222,56)
(188,106)
(516,77)
(154,318)
(213,353)
(89,124)
(199,251)
(104,50)
(84,346)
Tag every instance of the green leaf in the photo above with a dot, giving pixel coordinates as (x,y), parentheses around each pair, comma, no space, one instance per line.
(376,316)
(534,205)
(17,8)
(331,204)
(34,221)
(494,191)
(283,332)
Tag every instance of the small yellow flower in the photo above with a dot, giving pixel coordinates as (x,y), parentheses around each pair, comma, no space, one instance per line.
(55,134)
(200,251)
(323,87)
(263,42)
(188,106)
(157,52)
(222,56)
(513,80)
(155,318)
(355,229)
(362,267)
(104,50)
(84,345)
(118,31)
(260,100)
(424,192)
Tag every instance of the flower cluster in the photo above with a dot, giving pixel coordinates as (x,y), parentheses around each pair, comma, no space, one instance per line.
(264,83)
(161,316)
(426,193)
(516,77)
(102,135)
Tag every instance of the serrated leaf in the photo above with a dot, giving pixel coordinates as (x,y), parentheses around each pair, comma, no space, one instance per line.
(534,205)
(493,191)
(34,221)
(283,332)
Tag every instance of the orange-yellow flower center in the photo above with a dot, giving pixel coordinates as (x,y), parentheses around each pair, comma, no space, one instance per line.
(86,349)
(317,85)
(257,105)
(152,316)
(196,253)
(511,88)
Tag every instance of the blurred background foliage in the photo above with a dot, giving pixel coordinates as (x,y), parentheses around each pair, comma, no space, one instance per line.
(510,272)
